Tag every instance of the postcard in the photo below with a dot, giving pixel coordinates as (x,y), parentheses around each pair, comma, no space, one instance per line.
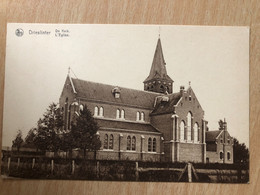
(157,103)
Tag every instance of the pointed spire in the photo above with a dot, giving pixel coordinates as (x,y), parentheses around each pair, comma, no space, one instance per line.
(158,80)
(158,69)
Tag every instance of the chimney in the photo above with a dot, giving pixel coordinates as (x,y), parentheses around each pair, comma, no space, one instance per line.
(225,125)
(181,89)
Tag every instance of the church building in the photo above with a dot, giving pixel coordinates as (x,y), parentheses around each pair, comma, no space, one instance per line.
(154,124)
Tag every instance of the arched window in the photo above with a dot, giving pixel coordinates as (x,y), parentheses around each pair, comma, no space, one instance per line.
(96,111)
(189,126)
(101,111)
(149,144)
(133,143)
(195,130)
(161,88)
(122,114)
(182,127)
(106,142)
(128,146)
(111,141)
(154,145)
(221,155)
(142,116)
(228,156)
(69,117)
(137,116)
(117,113)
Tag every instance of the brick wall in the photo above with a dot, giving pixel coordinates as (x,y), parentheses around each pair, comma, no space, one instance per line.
(211,147)
(165,124)
(190,103)
(214,156)
(167,152)
(191,152)
(110,110)
(140,153)
(229,148)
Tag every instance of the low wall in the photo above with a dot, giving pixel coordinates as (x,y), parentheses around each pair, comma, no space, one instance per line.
(114,170)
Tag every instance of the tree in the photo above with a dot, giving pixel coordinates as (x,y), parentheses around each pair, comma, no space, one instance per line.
(48,128)
(241,152)
(83,132)
(18,141)
(29,139)
(52,118)
(66,143)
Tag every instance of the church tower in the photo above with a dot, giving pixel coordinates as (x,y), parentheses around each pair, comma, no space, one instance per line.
(158,80)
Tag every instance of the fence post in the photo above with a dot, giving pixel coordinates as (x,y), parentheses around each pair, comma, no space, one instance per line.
(136,171)
(33,162)
(189,173)
(97,171)
(73,167)
(8,163)
(18,163)
(52,166)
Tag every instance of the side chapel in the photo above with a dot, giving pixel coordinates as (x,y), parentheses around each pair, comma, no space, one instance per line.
(154,124)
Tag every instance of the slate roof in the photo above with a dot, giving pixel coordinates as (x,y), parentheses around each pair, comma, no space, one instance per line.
(127,125)
(166,107)
(158,69)
(103,92)
(212,135)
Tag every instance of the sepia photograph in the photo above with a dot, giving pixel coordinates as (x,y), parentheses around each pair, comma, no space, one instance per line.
(143,103)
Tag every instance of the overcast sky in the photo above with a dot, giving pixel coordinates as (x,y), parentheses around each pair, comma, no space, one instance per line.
(214,59)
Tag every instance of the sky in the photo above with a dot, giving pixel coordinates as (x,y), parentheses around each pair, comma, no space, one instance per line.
(214,59)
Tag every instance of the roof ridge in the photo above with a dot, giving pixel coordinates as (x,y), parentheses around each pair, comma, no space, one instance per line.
(116,86)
